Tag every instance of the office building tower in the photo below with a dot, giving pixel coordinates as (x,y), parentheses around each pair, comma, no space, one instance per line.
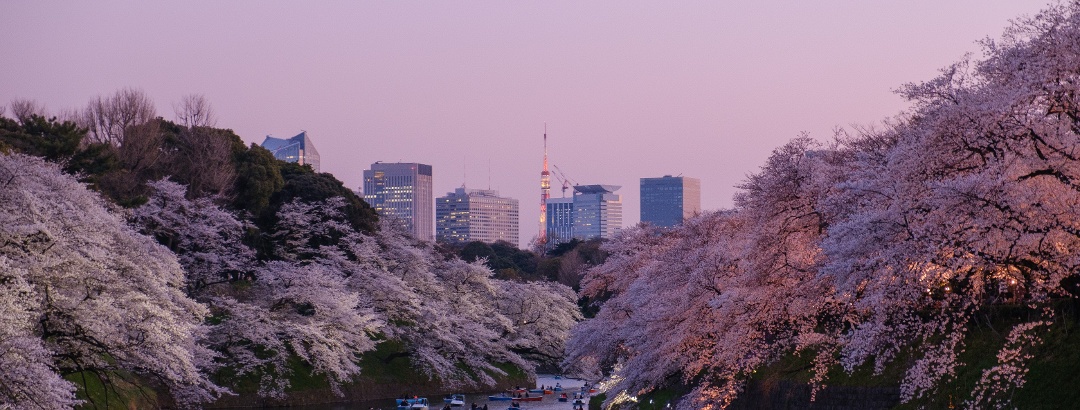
(560,221)
(402,192)
(298,149)
(668,200)
(597,211)
(468,215)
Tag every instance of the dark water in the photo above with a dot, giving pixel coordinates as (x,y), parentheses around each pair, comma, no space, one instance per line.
(550,401)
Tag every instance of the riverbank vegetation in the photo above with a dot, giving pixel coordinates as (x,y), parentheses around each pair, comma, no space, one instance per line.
(937,248)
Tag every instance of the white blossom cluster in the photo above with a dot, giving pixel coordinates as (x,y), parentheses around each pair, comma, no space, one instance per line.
(178,296)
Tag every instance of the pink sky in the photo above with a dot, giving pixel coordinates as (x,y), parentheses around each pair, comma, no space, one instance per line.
(628,89)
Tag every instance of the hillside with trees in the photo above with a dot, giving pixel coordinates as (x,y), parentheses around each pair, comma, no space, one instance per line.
(149,262)
(890,251)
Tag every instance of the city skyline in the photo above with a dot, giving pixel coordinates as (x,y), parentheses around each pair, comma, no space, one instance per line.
(698,88)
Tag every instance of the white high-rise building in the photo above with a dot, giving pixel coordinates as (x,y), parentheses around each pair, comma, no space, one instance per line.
(467,215)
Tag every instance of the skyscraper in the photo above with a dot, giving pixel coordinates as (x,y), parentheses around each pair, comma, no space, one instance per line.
(597,211)
(560,221)
(467,215)
(298,149)
(402,191)
(668,200)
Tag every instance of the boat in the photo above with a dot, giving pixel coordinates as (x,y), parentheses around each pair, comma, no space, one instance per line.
(500,398)
(455,400)
(533,398)
(416,403)
(579,404)
(563,398)
(536,391)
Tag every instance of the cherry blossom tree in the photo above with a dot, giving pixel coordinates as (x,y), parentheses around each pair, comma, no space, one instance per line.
(82,292)
(892,239)
(292,307)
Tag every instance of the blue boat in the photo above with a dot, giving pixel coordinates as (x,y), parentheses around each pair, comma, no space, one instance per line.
(500,398)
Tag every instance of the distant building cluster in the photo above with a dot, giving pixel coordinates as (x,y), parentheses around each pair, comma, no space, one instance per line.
(595,211)
(402,193)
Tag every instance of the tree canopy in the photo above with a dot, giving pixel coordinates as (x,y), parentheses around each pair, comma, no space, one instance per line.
(883,242)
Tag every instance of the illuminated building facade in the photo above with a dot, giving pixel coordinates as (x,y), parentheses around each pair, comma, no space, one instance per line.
(468,215)
(402,192)
(667,201)
(298,149)
(560,220)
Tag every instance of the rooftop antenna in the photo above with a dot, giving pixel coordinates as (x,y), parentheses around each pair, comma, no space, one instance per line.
(464,172)
(489,173)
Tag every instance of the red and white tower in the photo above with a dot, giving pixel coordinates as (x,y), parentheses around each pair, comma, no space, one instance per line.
(545,193)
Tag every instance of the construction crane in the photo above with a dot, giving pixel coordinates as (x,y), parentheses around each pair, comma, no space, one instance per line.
(566,181)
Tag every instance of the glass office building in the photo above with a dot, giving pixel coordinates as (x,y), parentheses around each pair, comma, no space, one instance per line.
(402,192)
(560,220)
(298,149)
(668,200)
(597,211)
(468,215)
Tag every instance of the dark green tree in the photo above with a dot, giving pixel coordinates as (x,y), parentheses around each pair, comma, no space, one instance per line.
(39,136)
(475,250)
(258,176)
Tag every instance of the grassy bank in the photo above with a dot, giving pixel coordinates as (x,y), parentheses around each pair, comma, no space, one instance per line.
(387,373)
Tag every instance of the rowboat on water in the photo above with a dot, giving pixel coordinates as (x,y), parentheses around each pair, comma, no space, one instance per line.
(415,403)
(455,400)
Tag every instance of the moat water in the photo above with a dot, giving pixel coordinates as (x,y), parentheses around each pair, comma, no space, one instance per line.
(550,401)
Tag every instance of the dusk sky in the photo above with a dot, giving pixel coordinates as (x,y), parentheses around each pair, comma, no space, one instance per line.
(631,89)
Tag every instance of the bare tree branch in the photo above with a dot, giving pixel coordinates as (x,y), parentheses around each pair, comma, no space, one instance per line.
(194,110)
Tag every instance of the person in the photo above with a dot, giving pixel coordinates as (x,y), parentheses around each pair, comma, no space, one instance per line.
(485,406)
